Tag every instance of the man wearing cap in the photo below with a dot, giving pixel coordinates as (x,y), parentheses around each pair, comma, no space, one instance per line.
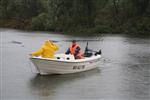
(75,50)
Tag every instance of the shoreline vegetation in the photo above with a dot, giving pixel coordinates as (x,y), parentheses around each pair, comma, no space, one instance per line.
(77,17)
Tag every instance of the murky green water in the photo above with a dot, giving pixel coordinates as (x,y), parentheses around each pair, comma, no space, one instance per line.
(124,72)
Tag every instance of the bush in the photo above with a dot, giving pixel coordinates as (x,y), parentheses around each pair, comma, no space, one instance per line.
(138,25)
(143,25)
(39,22)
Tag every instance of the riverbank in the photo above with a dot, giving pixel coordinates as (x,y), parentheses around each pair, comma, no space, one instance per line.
(78,17)
(135,26)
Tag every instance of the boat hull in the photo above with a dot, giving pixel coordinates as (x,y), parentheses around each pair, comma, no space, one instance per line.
(50,66)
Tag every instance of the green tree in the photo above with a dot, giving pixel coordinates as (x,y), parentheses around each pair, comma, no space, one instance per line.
(6,9)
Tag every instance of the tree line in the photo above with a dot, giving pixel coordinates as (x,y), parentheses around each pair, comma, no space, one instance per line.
(77,16)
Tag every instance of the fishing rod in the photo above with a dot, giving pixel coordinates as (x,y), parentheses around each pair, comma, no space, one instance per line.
(71,40)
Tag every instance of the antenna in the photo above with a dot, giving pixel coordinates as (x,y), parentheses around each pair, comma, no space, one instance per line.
(86,48)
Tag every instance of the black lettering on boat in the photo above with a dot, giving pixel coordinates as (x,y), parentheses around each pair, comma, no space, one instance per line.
(74,67)
(78,67)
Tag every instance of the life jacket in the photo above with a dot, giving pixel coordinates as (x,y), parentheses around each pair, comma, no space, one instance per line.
(72,51)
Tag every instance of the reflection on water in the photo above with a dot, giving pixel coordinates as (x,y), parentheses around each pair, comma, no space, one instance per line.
(123,74)
(50,84)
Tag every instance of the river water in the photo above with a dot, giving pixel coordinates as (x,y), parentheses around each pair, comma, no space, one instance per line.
(124,72)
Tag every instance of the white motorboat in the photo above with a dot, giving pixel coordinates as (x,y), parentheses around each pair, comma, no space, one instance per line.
(65,64)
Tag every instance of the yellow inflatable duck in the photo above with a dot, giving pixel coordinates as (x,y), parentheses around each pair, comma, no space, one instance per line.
(47,50)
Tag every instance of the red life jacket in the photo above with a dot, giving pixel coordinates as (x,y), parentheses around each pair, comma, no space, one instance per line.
(72,51)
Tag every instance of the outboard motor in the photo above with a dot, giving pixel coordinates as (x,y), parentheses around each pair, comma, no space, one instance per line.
(98,53)
(86,52)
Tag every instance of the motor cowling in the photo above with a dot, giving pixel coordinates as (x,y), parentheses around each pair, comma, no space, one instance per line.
(98,53)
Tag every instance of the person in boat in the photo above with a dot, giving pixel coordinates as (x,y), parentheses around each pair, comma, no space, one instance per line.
(47,50)
(75,50)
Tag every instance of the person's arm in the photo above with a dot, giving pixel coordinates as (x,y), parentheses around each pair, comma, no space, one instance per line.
(37,53)
(77,51)
(68,51)
(55,47)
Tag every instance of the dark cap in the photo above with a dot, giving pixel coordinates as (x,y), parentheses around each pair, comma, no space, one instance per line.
(74,41)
